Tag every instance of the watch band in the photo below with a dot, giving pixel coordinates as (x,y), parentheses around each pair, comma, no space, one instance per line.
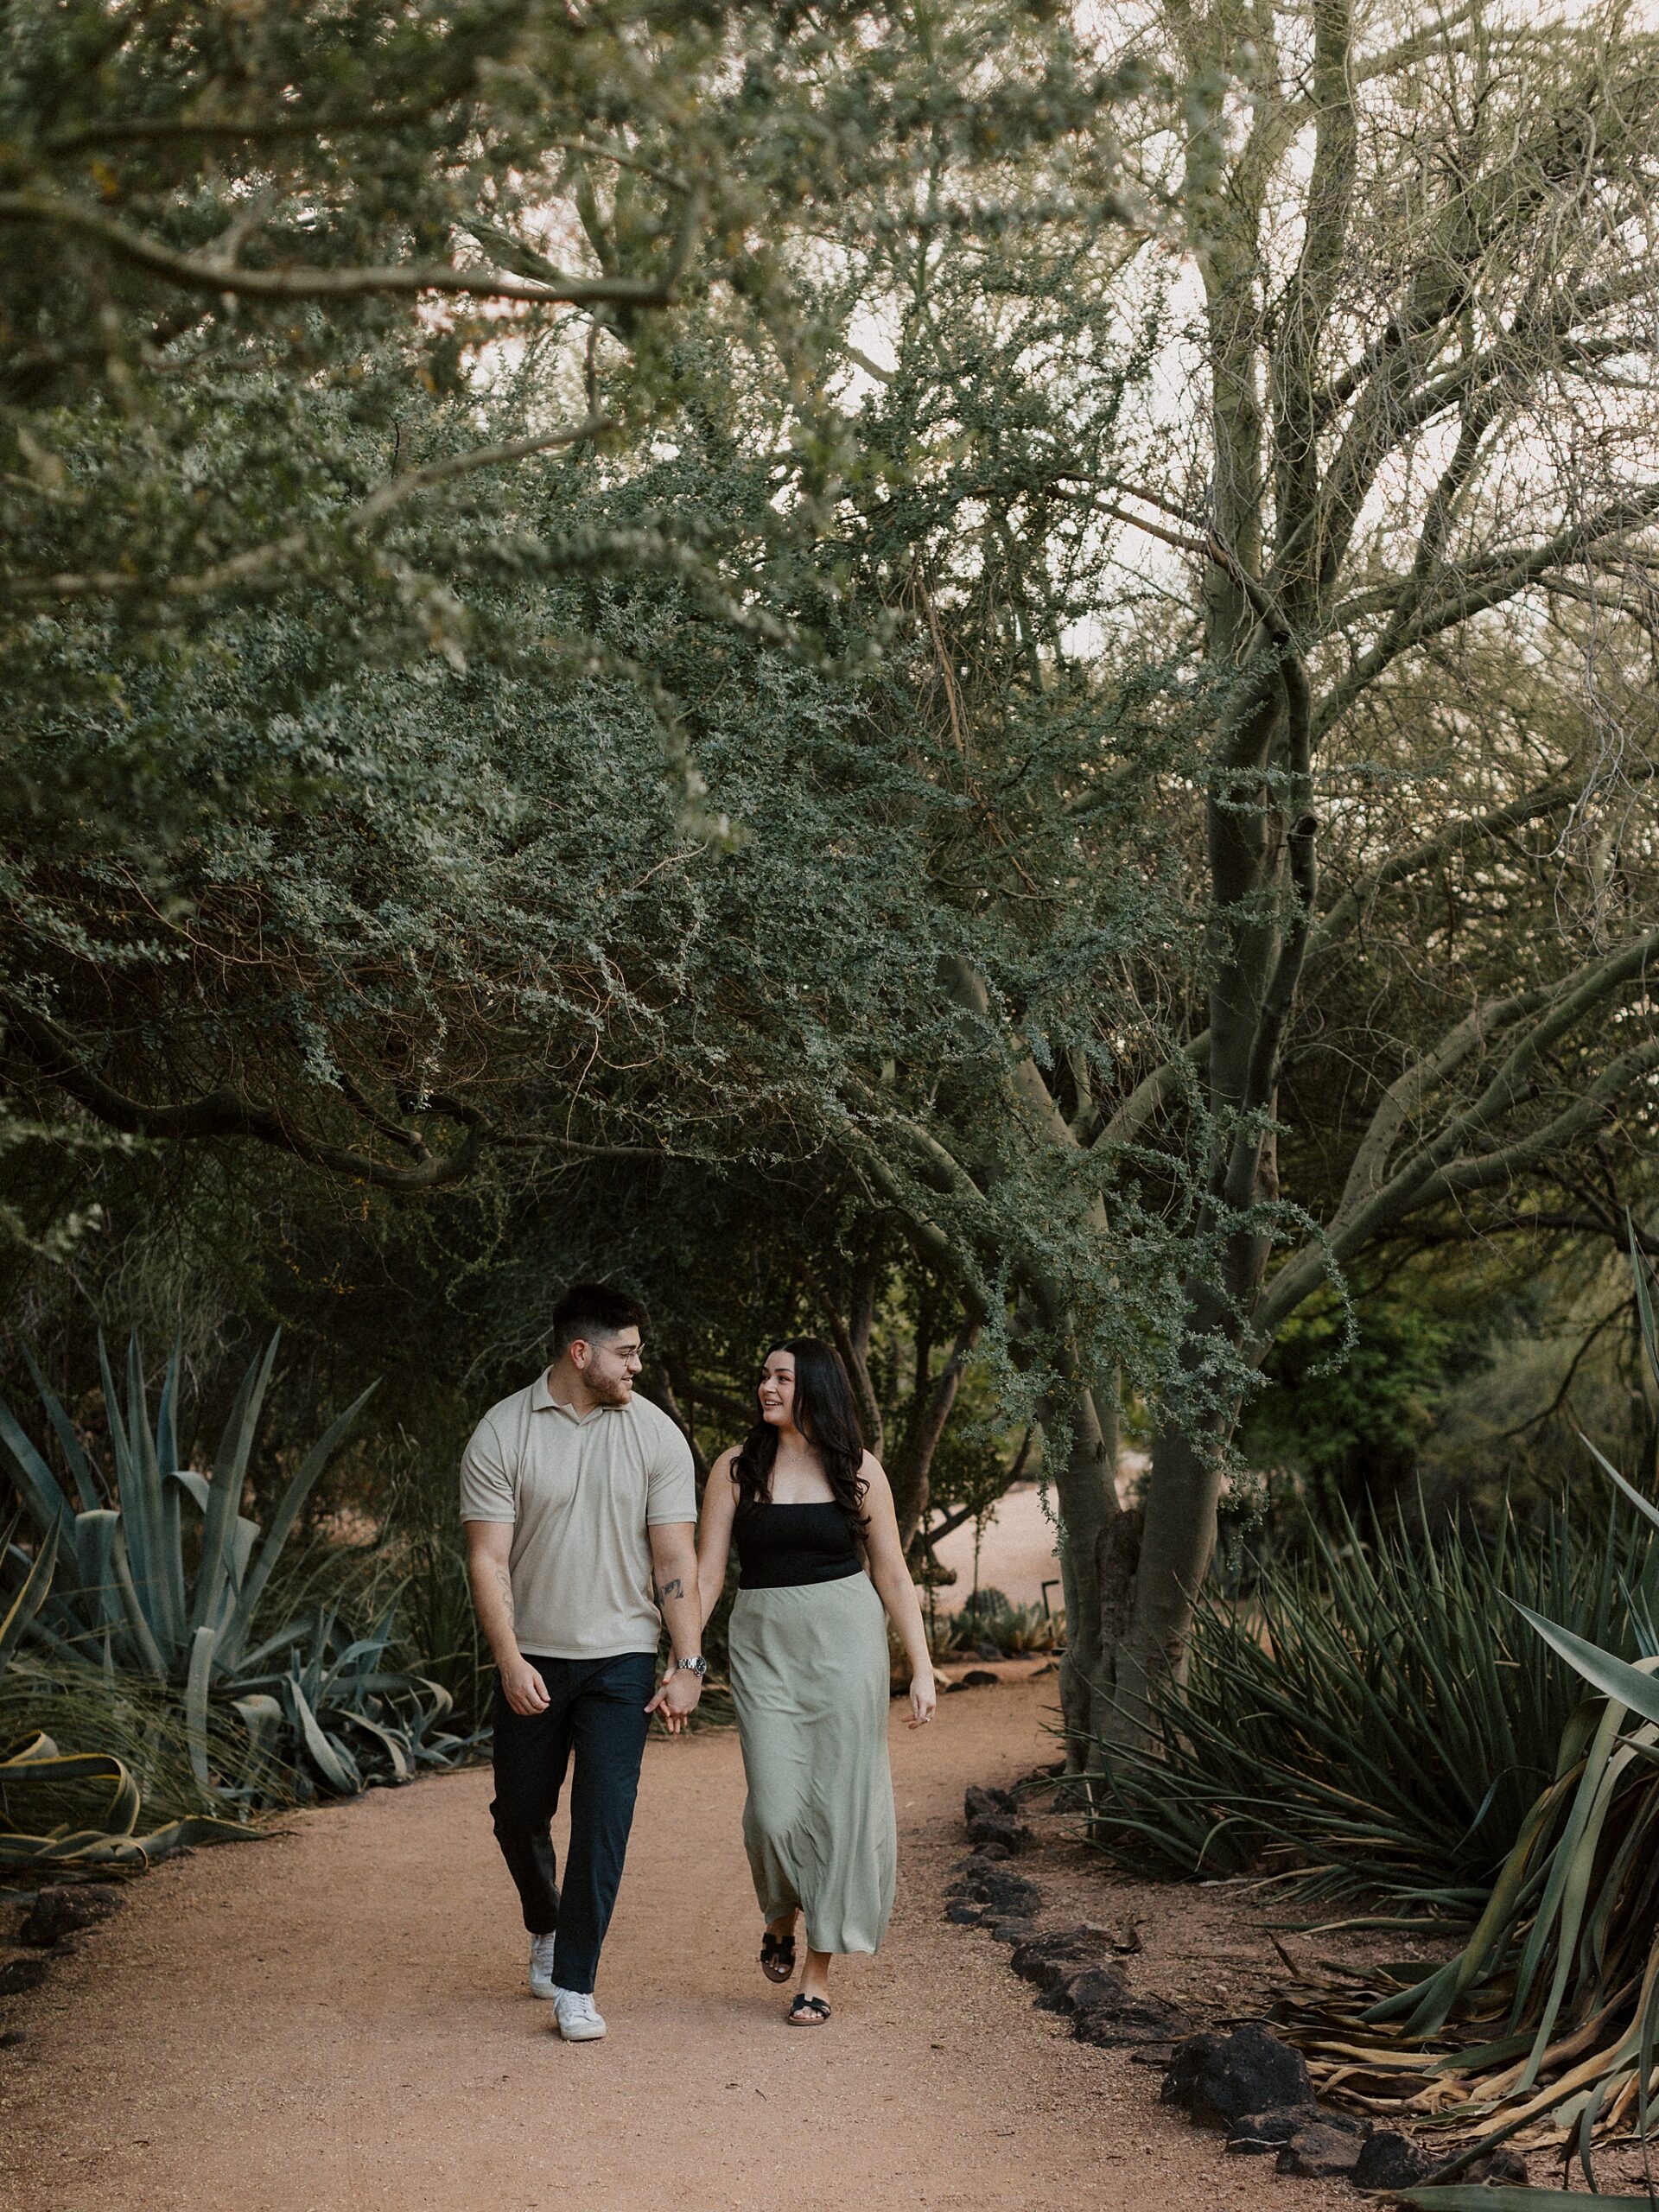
(699,1666)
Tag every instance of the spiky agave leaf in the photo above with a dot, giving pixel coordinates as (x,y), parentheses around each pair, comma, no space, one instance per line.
(27,1601)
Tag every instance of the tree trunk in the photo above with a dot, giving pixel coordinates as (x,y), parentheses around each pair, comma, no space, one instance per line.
(1176,1541)
(852,1339)
(1085,1486)
(913,1461)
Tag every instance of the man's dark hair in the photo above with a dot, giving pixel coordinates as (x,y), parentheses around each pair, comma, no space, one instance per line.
(588,1310)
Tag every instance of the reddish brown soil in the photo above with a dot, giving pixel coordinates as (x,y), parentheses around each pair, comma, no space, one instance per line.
(335,2021)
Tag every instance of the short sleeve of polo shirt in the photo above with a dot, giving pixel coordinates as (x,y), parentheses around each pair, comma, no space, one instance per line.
(486,1492)
(672,1492)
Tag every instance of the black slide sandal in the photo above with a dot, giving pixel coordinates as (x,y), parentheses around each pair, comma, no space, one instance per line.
(808,2011)
(777,1956)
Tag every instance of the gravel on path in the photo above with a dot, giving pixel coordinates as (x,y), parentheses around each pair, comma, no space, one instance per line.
(336,2021)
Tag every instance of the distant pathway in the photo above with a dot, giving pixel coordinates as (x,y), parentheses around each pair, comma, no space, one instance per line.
(336,2022)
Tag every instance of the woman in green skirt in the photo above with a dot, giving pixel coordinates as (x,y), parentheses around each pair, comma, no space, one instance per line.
(819,1557)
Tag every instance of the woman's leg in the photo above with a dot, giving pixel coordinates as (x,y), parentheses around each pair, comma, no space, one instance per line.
(814,1982)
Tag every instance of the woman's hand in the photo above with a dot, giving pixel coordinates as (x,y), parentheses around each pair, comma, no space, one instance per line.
(924,1698)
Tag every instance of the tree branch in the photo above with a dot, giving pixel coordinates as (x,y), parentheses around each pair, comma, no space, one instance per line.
(1487,586)
(227,1113)
(1152,1092)
(194,272)
(1441,1169)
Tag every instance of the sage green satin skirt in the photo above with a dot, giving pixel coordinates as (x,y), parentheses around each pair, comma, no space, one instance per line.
(809,1675)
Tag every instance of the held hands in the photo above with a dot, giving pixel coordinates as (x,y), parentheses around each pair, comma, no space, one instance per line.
(677,1699)
(923,1699)
(525,1691)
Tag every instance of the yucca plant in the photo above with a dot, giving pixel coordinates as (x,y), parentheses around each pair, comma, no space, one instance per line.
(167,1579)
(1544,2029)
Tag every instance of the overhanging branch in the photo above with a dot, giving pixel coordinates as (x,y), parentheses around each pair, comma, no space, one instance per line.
(227,1112)
(194,272)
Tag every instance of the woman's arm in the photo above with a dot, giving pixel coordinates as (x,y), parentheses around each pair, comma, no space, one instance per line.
(714,1532)
(897,1592)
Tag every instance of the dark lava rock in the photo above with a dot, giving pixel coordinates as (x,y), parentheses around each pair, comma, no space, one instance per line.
(14,2038)
(1013,1894)
(977,1678)
(997,1831)
(960,1913)
(66,1909)
(1269,2131)
(18,1975)
(1096,1989)
(1321,2150)
(1009,1895)
(1498,2165)
(1388,2160)
(1223,2077)
(972,1871)
(977,1803)
(1069,1947)
(1020,1929)
(1143,2020)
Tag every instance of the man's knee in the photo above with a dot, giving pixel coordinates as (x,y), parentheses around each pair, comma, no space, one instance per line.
(515,1815)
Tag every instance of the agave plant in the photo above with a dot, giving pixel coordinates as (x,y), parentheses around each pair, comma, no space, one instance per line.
(352,1710)
(1544,2029)
(133,1601)
(33,1771)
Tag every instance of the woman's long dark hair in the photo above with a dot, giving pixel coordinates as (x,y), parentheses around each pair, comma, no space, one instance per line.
(827,1417)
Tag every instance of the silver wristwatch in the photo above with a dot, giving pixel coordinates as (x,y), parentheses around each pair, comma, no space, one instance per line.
(699,1666)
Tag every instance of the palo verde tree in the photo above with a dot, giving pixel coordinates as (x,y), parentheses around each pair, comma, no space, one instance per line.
(1426,349)
(1410,506)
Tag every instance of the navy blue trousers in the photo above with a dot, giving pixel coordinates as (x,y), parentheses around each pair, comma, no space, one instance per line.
(596,1711)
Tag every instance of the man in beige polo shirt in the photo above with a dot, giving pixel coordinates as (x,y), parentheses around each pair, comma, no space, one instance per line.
(580,1505)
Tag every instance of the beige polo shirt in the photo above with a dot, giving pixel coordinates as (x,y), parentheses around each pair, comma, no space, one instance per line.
(580,1490)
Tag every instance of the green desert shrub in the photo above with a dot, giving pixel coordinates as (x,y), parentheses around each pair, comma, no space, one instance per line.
(134,1798)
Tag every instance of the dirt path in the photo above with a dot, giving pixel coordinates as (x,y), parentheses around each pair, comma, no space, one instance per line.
(336,2022)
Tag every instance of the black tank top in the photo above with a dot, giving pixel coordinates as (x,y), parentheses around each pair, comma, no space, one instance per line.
(781,1545)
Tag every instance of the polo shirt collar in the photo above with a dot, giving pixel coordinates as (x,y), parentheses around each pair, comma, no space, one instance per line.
(542,1401)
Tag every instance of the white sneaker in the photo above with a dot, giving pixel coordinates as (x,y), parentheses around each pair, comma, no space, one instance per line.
(541,1966)
(578,2020)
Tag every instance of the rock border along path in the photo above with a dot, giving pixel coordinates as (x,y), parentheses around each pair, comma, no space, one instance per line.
(335,2021)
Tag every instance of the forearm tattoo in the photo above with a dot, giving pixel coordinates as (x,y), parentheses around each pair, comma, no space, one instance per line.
(676,1588)
(503,1586)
